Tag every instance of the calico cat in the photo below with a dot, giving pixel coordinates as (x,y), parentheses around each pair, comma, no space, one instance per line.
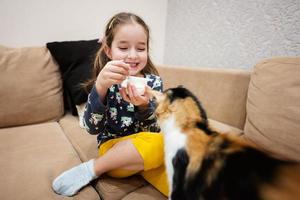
(203,164)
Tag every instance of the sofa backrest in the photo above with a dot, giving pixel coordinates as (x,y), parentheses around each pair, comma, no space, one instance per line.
(223,92)
(30,86)
(273,107)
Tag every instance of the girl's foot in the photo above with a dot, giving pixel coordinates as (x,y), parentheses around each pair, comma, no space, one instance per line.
(72,180)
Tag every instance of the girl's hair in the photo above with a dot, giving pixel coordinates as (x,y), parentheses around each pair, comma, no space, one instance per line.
(110,31)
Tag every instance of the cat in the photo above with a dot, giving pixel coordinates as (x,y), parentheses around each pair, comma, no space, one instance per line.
(204,164)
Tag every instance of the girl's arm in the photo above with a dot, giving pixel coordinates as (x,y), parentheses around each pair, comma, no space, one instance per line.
(95,113)
(94,118)
(147,119)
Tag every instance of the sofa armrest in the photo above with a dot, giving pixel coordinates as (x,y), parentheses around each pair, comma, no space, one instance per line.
(223,92)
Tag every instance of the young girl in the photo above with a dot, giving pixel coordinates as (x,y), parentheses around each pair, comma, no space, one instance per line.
(128,137)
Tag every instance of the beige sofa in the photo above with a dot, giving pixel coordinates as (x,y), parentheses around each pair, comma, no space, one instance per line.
(38,140)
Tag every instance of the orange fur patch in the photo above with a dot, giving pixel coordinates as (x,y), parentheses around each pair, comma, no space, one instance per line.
(196,148)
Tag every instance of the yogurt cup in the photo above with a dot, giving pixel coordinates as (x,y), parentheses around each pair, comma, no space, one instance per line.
(139,83)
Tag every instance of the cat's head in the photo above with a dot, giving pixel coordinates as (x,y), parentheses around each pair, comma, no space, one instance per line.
(181,104)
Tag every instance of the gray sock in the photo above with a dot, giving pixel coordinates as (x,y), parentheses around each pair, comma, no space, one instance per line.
(72,180)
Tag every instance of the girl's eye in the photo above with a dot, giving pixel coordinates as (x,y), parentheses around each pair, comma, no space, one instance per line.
(141,49)
(123,48)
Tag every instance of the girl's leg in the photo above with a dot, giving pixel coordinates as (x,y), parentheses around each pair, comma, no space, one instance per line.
(122,155)
(151,148)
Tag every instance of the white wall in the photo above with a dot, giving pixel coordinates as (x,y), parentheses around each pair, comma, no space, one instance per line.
(210,33)
(231,33)
(36,22)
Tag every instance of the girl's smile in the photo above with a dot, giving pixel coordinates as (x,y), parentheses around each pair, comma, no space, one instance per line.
(134,68)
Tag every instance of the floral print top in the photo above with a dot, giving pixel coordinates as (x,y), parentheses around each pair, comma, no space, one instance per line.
(115,117)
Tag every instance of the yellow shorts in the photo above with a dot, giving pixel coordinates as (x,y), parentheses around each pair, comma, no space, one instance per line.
(151,148)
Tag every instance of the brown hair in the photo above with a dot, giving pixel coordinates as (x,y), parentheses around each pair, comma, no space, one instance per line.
(101,58)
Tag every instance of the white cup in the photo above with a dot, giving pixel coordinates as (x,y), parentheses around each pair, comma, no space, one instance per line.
(139,83)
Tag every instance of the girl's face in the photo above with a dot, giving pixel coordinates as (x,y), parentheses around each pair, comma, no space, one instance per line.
(130,45)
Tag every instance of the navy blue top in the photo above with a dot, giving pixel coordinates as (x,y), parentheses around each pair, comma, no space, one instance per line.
(115,117)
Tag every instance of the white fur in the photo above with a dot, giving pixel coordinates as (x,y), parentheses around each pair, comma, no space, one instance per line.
(174,140)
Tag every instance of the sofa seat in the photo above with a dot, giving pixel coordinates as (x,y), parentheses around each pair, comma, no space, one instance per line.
(146,192)
(31,157)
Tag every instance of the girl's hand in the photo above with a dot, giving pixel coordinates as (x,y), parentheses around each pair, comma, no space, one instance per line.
(114,72)
(133,97)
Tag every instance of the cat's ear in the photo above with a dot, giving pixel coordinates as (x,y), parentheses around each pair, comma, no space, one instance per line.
(180,86)
(169,94)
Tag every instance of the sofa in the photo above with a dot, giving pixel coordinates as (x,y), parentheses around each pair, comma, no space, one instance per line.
(39,138)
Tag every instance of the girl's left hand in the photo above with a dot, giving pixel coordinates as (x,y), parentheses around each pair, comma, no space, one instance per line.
(133,97)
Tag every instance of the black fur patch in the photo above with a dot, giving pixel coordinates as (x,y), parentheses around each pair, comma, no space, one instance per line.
(180,162)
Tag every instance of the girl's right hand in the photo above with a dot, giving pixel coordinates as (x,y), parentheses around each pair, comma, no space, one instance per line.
(114,72)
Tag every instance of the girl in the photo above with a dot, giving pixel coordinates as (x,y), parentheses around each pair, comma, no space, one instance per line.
(128,137)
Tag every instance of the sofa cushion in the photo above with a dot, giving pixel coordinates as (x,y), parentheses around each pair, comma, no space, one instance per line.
(30,89)
(118,188)
(84,143)
(273,107)
(145,193)
(31,157)
(75,59)
(223,92)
